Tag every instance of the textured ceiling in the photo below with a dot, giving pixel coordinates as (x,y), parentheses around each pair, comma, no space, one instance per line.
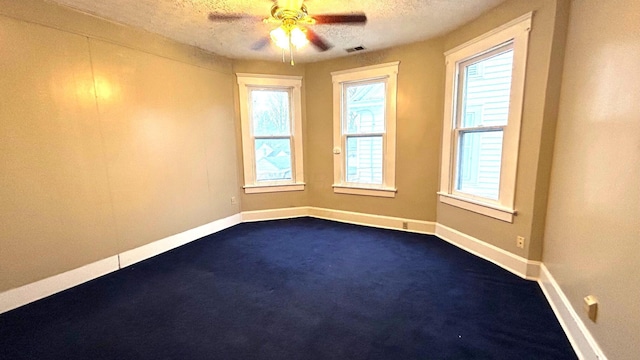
(390,22)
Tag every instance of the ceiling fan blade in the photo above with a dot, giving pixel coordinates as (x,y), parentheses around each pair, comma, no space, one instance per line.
(317,41)
(348,19)
(260,44)
(215,16)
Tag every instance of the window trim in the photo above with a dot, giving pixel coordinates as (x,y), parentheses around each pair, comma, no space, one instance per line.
(389,73)
(516,31)
(293,85)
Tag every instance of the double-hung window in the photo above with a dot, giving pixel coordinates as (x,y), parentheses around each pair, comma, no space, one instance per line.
(270,112)
(364,107)
(482,115)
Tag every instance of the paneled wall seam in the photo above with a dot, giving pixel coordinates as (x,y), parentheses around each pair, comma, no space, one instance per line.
(104,148)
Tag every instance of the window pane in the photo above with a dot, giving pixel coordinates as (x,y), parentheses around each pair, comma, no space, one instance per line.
(273,159)
(487,89)
(270,112)
(365,108)
(479,162)
(364,160)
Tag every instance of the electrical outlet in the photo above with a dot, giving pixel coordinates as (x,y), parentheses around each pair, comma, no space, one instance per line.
(520,242)
(233,200)
(405,225)
(591,307)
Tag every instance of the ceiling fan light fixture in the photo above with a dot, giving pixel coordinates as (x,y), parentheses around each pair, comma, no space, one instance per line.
(284,38)
(298,37)
(280,37)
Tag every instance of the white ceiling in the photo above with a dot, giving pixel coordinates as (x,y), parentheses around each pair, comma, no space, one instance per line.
(390,22)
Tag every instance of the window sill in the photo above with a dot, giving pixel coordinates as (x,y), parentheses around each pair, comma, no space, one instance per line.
(491,210)
(258,189)
(353,190)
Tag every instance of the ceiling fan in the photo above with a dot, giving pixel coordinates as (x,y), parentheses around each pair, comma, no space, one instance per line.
(293,20)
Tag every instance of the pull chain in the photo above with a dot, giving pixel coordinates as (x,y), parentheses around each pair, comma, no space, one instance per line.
(291,50)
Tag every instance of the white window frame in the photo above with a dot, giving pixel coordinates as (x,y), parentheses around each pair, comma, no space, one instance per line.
(517,32)
(388,73)
(293,85)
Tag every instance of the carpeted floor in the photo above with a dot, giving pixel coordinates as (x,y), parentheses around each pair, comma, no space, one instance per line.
(295,289)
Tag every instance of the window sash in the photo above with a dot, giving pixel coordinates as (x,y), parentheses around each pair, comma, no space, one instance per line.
(291,160)
(344,99)
(290,114)
(458,134)
(345,169)
(346,134)
(287,136)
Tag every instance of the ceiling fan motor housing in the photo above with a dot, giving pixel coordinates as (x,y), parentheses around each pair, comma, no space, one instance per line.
(289,17)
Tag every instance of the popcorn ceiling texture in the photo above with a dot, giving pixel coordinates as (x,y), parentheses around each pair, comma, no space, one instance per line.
(390,22)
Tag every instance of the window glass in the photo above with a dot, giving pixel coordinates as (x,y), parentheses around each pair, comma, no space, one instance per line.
(273,159)
(270,112)
(480,158)
(486,92)
(365,108)
(364,159)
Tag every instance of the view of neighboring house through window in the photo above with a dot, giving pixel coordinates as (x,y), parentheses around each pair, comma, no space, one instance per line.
(482,116)
(364,130)
(270,112)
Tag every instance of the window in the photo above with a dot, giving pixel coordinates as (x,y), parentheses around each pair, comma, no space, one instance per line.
(364,128)
(482,115)
(271,117)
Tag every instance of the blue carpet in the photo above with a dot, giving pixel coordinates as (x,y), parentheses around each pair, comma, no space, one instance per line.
(295,289)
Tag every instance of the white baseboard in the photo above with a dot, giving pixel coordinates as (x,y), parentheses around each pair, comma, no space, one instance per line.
(518,265)
(379,221)
(163,245)
(581,339)
(274,214)
(40,289)
(23,295)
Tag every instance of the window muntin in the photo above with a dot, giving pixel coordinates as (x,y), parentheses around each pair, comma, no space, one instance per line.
(364,101)
(271,122)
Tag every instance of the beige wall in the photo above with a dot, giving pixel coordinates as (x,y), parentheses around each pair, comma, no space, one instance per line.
(418,128)
(538,124)
(593,219)
(110,138)
(276,200)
